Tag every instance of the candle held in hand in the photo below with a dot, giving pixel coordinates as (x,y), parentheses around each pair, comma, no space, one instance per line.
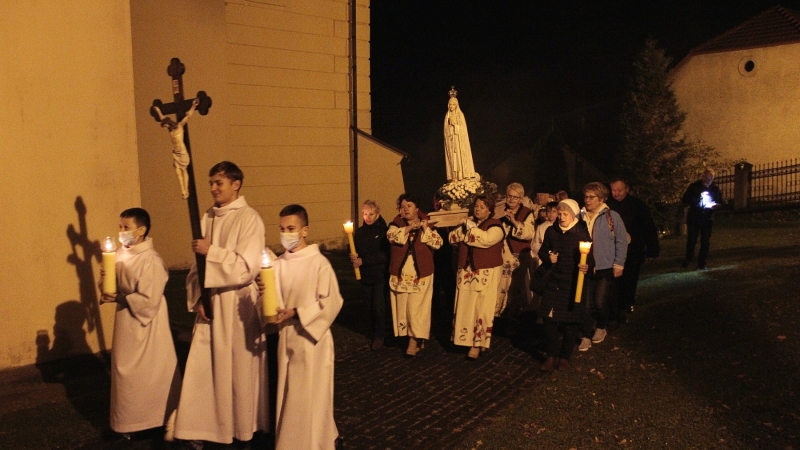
(269,302)
(584,248)
(109,266)
(348,228)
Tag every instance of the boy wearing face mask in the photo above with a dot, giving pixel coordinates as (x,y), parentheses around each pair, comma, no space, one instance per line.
(145,381)
(311,301)
(224,395)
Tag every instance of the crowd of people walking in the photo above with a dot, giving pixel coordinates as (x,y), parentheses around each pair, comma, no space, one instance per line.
(575,269)
(506,245)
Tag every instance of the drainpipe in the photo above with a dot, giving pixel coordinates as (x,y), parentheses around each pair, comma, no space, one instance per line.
(353,115)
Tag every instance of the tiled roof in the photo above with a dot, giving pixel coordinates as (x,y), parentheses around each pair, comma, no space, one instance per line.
(774,26)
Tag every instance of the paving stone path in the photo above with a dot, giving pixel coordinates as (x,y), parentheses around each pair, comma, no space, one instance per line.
(385,400)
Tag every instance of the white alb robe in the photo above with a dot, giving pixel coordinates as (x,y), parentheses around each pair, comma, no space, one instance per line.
(306,281)
(224,393)
(476,291)
(145,380)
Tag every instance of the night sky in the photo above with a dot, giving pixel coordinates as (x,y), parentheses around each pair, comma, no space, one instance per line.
(521,69)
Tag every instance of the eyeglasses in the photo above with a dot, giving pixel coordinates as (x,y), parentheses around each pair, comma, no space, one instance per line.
(590,197)
(514,197)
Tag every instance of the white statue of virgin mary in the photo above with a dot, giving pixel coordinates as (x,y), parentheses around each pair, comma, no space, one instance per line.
(457,151)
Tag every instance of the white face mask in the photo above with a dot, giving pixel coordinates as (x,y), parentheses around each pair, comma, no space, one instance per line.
(290,241)
(127,238)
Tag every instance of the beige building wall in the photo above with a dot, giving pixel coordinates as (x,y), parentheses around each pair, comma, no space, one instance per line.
(278,74)
(379,176)
(79,146)
(287,75)
(68,149)
(745,115)
(195,32)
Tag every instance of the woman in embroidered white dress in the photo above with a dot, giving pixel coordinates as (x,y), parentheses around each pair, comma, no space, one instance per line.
(480,266)
(412,241)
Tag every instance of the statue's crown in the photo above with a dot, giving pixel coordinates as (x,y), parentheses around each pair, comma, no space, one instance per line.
(453,92)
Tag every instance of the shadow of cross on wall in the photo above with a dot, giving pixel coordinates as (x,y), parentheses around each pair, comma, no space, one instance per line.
(83,251)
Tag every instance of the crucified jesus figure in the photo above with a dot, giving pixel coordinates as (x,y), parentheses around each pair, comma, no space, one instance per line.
(180,157)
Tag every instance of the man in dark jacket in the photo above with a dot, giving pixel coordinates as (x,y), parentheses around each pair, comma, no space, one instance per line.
(702,197)
(642,242)
(372,250)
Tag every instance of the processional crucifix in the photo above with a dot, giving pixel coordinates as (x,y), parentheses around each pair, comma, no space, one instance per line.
(179,129)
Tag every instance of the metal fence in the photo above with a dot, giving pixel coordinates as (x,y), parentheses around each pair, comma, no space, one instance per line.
(763,185)
(724,179)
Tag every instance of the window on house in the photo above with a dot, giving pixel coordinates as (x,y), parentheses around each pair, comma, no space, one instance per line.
(747,67)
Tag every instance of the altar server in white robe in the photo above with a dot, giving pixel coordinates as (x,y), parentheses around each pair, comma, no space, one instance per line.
(311,301)
(145,380)
(224,395)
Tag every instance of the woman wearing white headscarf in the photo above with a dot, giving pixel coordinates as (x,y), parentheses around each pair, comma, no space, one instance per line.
(560,253)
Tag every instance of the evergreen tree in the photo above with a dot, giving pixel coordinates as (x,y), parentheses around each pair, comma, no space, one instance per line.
(656,157)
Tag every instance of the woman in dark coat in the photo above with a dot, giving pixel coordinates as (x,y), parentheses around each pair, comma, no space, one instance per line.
(372,253)
(561,315)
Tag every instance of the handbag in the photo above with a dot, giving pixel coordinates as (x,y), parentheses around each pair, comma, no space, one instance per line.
(539,279)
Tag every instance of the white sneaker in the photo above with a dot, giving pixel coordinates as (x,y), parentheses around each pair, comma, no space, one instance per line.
(586,344)
(599,336)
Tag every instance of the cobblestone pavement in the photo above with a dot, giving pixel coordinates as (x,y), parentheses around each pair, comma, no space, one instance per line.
(681,375)
(385,400)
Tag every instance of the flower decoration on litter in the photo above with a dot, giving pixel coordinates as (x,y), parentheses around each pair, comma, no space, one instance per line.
(461,193)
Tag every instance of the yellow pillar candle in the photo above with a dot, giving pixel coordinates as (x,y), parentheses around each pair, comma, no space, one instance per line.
(584,248)
(348,228)
(109,266)
(269,302)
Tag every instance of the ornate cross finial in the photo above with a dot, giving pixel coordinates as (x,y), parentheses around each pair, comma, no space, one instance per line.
(453,92)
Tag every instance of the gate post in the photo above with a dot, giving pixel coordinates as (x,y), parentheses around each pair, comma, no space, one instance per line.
(741,184)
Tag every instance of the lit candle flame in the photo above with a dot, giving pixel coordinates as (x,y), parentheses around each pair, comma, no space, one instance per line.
(269,300)
(108,245)
(348,227)
(109,266)
(266,261)
(584,247)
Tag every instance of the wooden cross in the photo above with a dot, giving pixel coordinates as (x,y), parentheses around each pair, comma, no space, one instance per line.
(179,106)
